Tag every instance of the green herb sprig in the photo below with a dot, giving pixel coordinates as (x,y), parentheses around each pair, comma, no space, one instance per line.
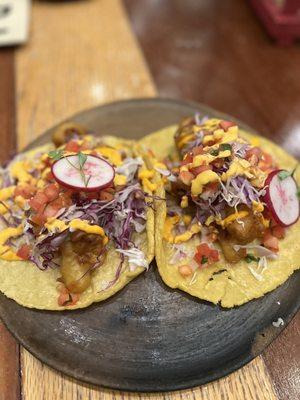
(250,258)
(56,154)
(81,161)
(285,174)
(204,260)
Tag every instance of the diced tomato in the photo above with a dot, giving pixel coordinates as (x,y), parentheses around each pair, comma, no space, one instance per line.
(50,211)
(278,231)
(254,151)
(186,177)
(73,146)
(212,237)
(106,195)
(24,252)
(187,159)
(64,298)
(74,298)
(205,255)
(48,162)
(26,191)
(38,219)
(52,208)
(225,125)
(50,176)
(65,199)
(197,170)
(93,195)
(51,191)
(212,187)
(214,256)
(38,202)
(218,162)
(197,150)
(270,241)
(266,162)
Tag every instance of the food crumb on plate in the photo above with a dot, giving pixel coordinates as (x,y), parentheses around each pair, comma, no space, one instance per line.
(278,323)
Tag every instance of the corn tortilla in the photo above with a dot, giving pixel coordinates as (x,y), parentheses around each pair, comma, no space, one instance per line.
(224,283)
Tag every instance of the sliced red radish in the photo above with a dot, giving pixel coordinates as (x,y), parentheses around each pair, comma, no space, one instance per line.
(93,174)
(281,198)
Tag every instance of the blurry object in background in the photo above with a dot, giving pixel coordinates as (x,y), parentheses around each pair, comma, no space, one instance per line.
(281,18)
(14,21)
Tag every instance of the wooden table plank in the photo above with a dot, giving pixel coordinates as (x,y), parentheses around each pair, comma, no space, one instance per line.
(80,54)
(217,53)
(282,360)
(9,349)
(249,383)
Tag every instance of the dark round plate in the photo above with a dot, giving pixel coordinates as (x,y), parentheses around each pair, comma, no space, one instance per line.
(148,337)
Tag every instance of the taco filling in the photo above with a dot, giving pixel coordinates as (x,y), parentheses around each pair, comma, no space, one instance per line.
(77,209)
(229,202)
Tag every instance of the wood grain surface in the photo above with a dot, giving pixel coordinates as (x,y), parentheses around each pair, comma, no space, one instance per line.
(80,54)
(83,53)
(249,383)
(216,52)
(9,349)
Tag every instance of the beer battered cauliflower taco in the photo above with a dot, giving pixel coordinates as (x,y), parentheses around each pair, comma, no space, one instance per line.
(227,230)
(77,220)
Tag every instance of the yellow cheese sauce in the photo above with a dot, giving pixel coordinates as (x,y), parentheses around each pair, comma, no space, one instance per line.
(184,202)
(238,167)
(5,251)
(56,225)
(228,220)
(7,193)
(19,171)
(203,179)
(78,224)
(112,155)
(170,223)
(120,180)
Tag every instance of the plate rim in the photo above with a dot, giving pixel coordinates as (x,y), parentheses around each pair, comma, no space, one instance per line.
(225,369)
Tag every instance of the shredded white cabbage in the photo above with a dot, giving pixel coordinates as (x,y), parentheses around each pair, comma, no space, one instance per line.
(136,258)
(129,167)
(166,173)
(261,251)
(255,274)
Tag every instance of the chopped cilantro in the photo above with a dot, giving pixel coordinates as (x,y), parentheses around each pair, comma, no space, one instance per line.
(284,174)
(56,154)
(214,152)
(204,260)
(250,257)
(225,146)
(82,159)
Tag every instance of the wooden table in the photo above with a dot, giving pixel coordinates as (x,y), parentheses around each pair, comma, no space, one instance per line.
(87,52)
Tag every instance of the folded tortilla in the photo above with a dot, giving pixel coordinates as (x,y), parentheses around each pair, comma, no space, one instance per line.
(228,284)
(29,286)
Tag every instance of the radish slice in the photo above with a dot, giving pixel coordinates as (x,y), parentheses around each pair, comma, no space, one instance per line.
(95,174)
(281,198)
